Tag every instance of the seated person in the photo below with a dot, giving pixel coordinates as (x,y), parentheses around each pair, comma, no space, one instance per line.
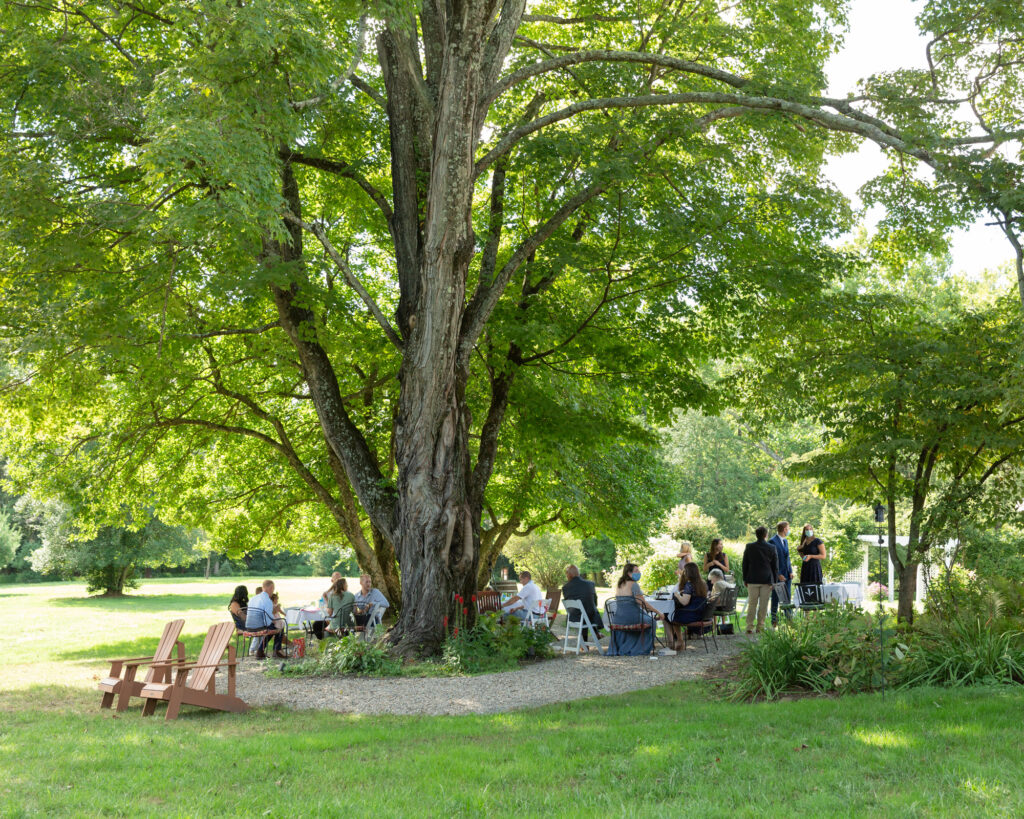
(526,602)
(335,577)
(718,583)
(280,621)
(629,635)
(690,597)
(259,616)
(239,602)
(370,604)
(339,607)
(576,588)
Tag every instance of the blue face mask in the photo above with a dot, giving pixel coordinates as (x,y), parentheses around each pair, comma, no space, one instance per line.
(635,575)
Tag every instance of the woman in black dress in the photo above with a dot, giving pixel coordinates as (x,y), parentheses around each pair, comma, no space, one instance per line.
(813,550)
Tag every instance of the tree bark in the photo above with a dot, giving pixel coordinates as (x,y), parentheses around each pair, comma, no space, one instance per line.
(908,592)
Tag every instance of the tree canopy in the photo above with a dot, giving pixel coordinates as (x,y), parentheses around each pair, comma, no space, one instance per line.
(274,266)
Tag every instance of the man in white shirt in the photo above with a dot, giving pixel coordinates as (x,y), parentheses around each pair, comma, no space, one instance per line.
(527,602)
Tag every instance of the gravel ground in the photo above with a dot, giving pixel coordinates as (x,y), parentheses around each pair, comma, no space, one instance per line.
(565,678)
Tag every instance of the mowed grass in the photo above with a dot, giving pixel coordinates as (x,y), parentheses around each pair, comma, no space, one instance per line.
(672,749)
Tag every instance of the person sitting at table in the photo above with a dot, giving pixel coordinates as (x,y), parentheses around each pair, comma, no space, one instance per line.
(629,614)
(716,558)
(335,577)
(585,591)
(526,602)
(691,596)
(237,606)
(259,616)
(370,604)
(718,583)
(339,607)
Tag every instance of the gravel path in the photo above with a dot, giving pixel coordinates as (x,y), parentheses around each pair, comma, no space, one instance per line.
(565,678)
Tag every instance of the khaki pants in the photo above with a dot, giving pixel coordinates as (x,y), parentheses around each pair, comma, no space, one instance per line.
(759,595)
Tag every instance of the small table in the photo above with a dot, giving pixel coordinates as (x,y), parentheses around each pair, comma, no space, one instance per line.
(296,616)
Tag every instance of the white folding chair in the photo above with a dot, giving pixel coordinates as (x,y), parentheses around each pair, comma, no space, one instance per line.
(538,618)
(583,627)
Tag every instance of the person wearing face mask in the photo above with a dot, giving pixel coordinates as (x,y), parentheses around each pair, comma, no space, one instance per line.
(632,629)
(813,551)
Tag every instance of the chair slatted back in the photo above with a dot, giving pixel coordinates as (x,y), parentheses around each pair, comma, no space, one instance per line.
(166,645)
(487,600)
(555,595)
(216,642)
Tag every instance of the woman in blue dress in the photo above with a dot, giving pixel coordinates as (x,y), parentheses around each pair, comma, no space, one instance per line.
(690,596)
(631,620)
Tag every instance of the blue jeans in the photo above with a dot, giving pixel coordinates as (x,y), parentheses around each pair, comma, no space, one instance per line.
(775,601)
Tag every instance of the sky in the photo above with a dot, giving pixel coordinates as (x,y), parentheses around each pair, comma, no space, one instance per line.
(883,37)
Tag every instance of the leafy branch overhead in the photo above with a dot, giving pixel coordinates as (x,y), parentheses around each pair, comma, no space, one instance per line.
(388,260)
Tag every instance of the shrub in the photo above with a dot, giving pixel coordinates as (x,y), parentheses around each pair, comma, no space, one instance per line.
(491,645)
(545,555)
(689,522)
(349,655)
(659,571)
(834,650)
(962,652)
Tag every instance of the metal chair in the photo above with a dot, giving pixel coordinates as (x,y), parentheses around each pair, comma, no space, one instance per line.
(705,624)
(726,608)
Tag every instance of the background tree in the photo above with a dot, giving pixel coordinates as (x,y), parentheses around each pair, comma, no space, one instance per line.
(913,393)
(110,558)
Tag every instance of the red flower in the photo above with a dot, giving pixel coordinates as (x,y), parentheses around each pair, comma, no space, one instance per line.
(446,621)
(465,611)
(473,599)
(456,631)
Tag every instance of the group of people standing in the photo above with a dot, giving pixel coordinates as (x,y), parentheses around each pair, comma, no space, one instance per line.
(767,566)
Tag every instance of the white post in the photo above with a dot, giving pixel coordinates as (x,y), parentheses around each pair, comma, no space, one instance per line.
(892,585)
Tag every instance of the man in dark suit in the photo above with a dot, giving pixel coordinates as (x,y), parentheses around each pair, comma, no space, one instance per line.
(576,588)
(780,540)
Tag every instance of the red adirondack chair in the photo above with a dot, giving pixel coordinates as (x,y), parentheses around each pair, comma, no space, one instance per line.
(194,683)
(121,682)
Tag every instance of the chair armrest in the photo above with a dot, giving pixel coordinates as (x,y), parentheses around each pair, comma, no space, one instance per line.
(146,661)
(181,666)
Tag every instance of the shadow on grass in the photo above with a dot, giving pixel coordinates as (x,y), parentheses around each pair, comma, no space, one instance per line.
(141,647)
(146,602)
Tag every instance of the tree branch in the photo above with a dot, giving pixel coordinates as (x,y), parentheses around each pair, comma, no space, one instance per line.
(345,169)
(350,278)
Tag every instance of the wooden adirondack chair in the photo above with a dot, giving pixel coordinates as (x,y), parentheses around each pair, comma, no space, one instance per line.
(194,683)
(122,683)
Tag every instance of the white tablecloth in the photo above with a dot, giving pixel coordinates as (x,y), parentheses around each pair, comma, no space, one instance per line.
(665,607)
(297,615)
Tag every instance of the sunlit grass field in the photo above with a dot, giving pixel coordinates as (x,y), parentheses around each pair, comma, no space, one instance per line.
(669,750)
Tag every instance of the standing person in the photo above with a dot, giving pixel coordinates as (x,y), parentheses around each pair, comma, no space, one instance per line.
(780,540)
(370,604)
(716,558)
(259,616)
(685,556)
(760,568)
(813,551)
(576,588)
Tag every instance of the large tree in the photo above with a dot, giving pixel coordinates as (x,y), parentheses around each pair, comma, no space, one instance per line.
(361,237)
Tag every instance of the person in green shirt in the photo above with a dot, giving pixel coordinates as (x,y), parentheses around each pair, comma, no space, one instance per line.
(339,607)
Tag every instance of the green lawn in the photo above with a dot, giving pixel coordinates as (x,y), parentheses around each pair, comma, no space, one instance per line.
(667,750)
